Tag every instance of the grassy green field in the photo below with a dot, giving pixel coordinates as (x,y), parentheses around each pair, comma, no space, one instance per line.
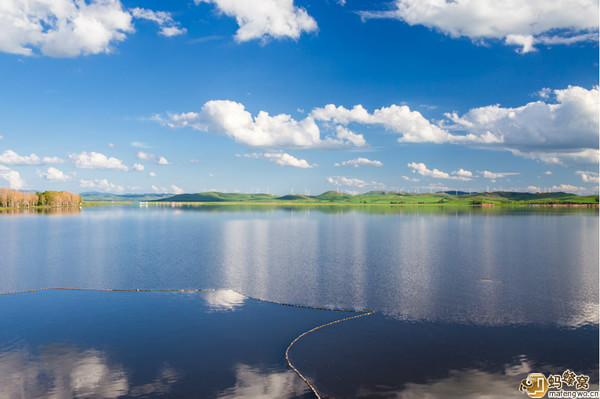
(392,198)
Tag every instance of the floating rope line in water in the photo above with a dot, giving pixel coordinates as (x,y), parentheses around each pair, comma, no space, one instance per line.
(287,357)
(312,387)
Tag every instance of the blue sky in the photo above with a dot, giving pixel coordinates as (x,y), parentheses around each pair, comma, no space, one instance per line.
(280,95)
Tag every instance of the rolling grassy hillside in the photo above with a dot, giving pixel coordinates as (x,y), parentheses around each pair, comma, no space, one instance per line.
(394,198)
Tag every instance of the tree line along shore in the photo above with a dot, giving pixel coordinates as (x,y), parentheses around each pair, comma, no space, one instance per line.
(52,199)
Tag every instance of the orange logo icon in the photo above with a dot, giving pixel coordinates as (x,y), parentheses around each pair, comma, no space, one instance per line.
(535,385)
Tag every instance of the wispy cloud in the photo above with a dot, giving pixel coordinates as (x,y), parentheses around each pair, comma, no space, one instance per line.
(101,184)
(205,39)
(497,175)
(354,182)
(176,190)
(168,27)
(359,162)
(139,144)
(156,159)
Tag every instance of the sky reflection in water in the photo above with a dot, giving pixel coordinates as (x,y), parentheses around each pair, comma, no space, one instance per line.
(64,344)
(496,281)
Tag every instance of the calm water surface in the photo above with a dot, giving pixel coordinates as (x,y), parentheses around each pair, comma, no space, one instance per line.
(467,300)
(57,344)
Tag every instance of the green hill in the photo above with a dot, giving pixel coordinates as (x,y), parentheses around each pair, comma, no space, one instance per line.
(296,197)
(219,197)
(394,198)
(333,196)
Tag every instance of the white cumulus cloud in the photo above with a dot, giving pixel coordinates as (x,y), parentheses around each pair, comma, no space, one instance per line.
(53,174)
(12,177)
(567,188)
(70,28)
(157,159)
(561,132)
(282,159)
(589,177)
(62,28)
(560,129)
(96,160)
(412,125)
(266,19)
(422,169)
(137,167)
(230,118)
(10,157)
(463,173)
(151,174)
(521,23)
(354,182)
(358,162)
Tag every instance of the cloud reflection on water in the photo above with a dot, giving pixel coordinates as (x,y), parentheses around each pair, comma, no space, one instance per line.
(463,268)
(60,372)
(467,384)
(223,300)
(63,373)
(257,383)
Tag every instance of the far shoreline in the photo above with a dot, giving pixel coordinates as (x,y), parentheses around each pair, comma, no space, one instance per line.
(341,204)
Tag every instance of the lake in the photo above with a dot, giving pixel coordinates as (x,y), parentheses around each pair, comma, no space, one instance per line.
(468,301)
